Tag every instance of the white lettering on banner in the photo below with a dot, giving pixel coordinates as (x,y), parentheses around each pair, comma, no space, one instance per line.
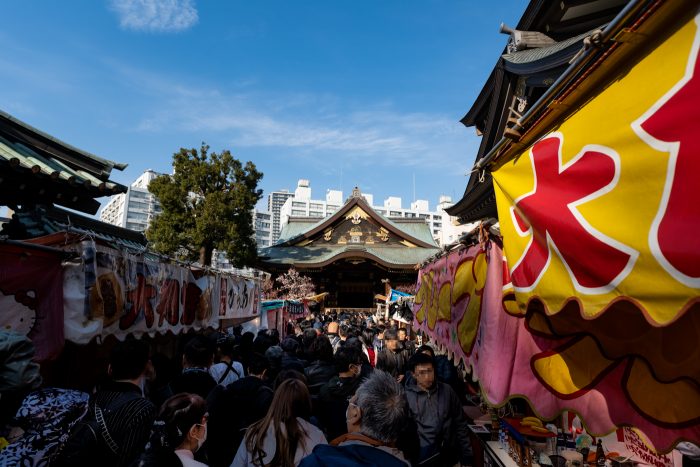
(636,446)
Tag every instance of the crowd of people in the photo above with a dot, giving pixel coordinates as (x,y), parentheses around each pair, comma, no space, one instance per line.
(336,390)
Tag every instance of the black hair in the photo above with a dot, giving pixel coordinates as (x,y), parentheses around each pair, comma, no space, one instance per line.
(321,349)
(426,348)
(367,337)
(257,364)
(345,356)
(199,351)
(420,359)
(129,358)
(284,375)
(391,334)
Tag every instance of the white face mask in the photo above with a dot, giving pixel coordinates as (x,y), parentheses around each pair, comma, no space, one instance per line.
(200,441)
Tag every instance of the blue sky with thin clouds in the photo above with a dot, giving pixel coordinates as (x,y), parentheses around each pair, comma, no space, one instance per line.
(370,89)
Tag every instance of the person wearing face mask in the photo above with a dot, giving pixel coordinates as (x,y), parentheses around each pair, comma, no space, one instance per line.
(178,433)
(376,417)
(334,395)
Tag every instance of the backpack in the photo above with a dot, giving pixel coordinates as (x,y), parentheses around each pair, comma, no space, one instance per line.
(91,439)
(47,415)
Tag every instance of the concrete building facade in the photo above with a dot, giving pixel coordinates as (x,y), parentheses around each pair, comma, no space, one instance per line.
(135,208)
(275,201)
(442,225)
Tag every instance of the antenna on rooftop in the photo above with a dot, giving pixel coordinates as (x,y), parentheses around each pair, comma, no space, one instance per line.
(414,187)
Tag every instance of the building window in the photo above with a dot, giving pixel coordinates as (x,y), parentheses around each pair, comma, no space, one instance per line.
(296,204)
(296,212)
(424,216)
(395,213)
(315,206)
(315,214)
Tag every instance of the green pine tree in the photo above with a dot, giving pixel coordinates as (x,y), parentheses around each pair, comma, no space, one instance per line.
(207,204)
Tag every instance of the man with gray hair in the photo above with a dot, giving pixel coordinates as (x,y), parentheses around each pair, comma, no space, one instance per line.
(376,416)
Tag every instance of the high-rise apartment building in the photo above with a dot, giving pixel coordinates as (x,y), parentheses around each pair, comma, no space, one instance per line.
(135,208)
(301,204)
(263,228)
(442,226)
(275,201)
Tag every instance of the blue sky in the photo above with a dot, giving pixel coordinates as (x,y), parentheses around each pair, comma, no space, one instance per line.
(305,89)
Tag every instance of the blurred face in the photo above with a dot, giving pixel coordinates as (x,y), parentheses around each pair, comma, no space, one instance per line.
(402,335)
(425,375)
(392,344)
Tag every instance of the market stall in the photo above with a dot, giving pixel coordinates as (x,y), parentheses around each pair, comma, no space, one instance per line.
(66,288)
(588,301)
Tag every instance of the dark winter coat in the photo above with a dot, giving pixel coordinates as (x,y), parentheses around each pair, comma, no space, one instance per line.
(442,426)
(333,402)
(231,411)
(394,363)
(318,374)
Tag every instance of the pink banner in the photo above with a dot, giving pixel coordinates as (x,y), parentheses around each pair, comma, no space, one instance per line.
(462,306)
(31,297)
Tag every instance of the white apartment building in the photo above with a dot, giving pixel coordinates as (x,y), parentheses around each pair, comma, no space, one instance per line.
(301,204)
(263,228)
(442,225)
(451,228)
(275,201)
(135,208)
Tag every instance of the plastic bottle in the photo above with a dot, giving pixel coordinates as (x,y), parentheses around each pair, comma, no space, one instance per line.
(600,455)
(561,441)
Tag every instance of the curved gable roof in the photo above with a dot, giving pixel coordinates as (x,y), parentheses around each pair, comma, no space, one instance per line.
(356,200)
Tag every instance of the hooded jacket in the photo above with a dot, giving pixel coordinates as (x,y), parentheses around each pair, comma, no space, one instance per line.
(442,426)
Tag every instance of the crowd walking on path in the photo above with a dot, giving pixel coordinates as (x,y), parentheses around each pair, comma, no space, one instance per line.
(337,390)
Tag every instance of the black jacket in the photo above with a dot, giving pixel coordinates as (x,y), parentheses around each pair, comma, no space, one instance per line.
(442,426)
(193,380)
(231,411)
(318,374)
(394,363)
(333,402)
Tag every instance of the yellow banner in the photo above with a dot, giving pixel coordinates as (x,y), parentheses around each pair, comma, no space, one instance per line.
(606,207)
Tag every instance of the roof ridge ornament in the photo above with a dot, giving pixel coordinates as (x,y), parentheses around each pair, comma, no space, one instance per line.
(356,193)
(520,40)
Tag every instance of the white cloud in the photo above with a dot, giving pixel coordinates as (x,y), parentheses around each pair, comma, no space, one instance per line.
(318,128)
(156,15)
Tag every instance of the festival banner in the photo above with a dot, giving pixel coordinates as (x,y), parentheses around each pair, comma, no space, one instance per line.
(110,292)
(238,297)
(31,297)
(599,221)
(465,305)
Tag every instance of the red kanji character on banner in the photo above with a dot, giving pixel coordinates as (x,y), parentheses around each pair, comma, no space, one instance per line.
(140,300)
(168,306)
(670,126)
(596,263)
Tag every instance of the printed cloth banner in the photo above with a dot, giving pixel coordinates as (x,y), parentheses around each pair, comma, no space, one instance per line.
(395,295)
(465,306)
(600,228)
(111,292)
(238,297)
(31,297)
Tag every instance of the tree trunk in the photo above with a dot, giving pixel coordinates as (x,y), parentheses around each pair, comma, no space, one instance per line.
(205,255)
